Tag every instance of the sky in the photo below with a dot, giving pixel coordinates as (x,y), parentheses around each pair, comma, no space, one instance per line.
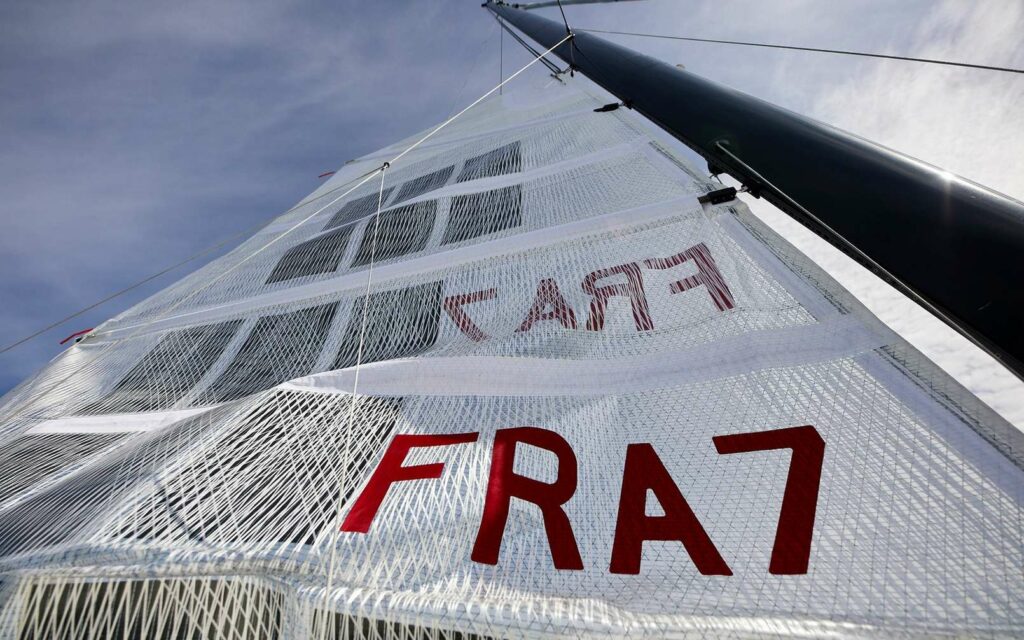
(135,134)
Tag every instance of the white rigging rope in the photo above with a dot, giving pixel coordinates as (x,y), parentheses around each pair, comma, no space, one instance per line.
(346,451)
(349,423)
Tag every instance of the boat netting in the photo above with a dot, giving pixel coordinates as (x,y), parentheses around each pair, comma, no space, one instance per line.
(546,391)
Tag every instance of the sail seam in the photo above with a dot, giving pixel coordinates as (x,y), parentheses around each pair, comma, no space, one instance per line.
(505,180)
(839,337)
(451,258)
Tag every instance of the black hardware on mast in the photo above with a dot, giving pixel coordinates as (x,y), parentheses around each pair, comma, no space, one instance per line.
(952,246)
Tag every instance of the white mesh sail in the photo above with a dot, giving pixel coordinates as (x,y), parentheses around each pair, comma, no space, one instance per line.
(588,405)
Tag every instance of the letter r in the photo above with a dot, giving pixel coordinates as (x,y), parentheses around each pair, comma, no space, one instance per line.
(505,484)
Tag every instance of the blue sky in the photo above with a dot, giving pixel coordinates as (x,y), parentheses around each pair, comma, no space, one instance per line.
(134,134)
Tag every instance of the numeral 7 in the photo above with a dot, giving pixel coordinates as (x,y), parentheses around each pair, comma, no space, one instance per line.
(792,549)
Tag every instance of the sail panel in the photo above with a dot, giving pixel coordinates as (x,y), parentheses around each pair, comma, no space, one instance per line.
(322,254)
(586,404)
(359,208)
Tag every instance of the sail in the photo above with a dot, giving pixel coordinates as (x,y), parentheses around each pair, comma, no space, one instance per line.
(549,390)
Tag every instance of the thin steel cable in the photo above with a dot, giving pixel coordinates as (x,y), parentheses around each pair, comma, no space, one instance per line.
(476,102)
(567,29)
(136,285)
(526,45)
(28,402)
(572,45)
(205,251)
(844,52)
(472,69)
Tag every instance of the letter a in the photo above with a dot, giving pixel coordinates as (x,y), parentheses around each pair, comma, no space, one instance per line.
(548,295)
(644,470)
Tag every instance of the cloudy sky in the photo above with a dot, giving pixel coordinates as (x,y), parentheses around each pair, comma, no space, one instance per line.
(134,134)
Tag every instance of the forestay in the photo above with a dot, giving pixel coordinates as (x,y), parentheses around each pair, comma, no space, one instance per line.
(587,405)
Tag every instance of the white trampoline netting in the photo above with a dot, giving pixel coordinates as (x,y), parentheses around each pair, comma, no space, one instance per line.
(586,404)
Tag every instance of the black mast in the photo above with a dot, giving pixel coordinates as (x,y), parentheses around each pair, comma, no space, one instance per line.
(953,246)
